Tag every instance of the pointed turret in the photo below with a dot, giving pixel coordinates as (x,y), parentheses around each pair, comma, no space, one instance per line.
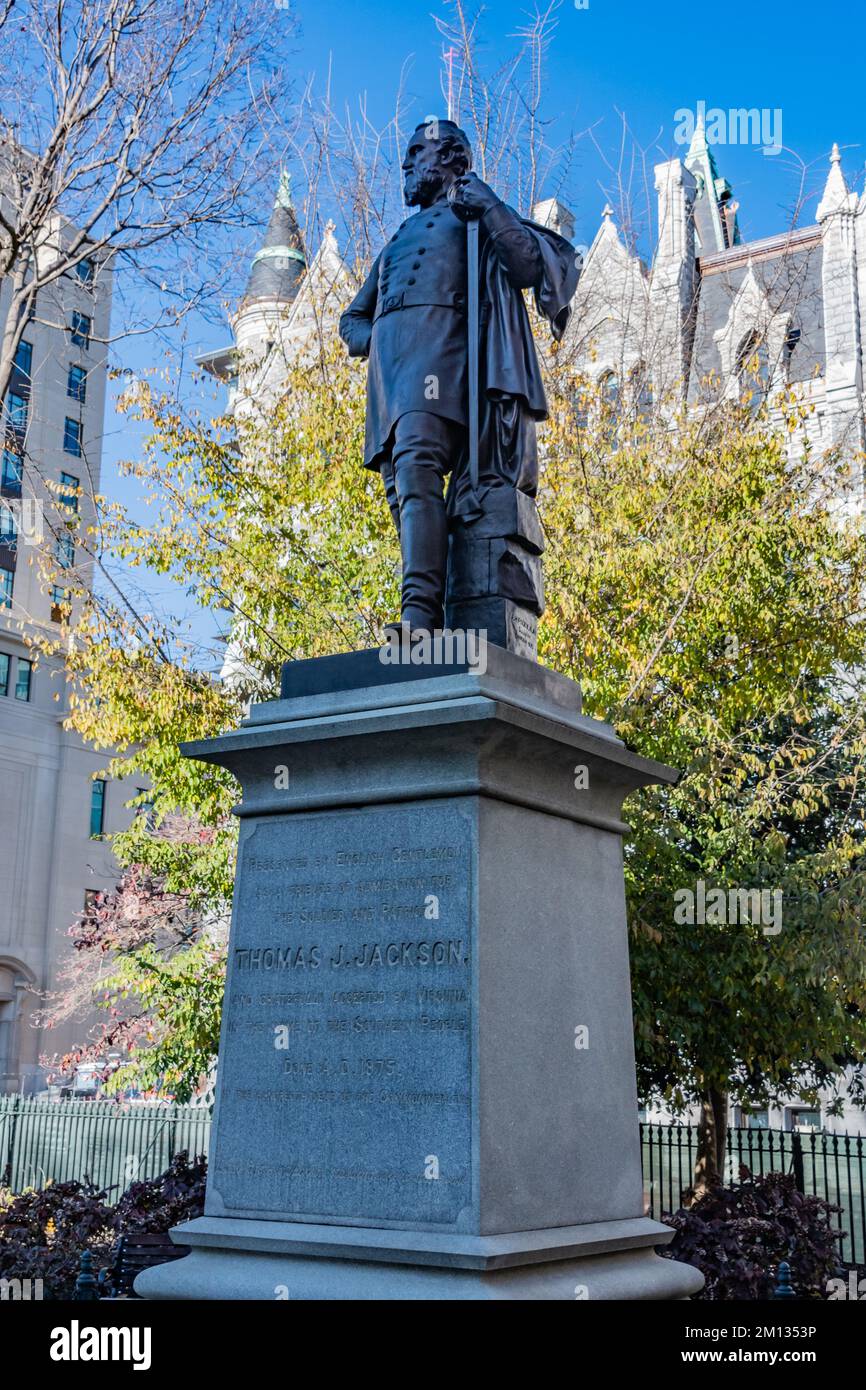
(715,213)
(836,196)
(277,269)
(608,227)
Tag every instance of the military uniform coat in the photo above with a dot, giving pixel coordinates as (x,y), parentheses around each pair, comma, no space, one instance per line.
(410,319)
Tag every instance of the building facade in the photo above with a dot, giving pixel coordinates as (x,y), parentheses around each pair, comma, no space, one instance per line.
(53,814)
(787,310)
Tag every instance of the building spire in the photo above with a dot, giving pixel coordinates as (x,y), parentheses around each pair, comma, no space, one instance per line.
(715,214)
(278,266)
(836,196)
(698,145)
(284,191)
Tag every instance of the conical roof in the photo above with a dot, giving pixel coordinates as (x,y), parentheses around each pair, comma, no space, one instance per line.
(278,267)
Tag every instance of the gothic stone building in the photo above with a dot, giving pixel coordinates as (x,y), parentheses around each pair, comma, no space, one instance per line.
(792,305)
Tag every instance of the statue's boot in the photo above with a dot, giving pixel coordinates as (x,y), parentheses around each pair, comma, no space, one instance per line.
(423,451)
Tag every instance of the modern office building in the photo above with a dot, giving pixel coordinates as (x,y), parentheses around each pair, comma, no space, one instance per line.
(53,814)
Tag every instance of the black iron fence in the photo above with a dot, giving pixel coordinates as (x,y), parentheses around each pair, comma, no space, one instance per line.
(113,1144)
(832,1166)
(116,1144)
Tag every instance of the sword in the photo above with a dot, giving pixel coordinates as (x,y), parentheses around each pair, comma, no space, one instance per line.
(473,288)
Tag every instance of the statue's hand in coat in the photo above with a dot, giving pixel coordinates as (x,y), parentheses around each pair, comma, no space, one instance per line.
(470,197)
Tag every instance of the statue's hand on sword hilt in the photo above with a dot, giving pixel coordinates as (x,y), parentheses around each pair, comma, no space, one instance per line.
(470,197)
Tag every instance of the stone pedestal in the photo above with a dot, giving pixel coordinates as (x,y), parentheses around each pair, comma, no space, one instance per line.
(426,1080)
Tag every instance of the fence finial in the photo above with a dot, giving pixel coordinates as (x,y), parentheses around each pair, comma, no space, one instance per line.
(86,1290)
(783,1287)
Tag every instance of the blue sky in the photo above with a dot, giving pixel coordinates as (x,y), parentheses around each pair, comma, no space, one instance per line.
(647,61)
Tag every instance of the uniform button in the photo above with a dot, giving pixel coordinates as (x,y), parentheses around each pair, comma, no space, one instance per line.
(411,281)
(429,224)
(416,265)
(421,250)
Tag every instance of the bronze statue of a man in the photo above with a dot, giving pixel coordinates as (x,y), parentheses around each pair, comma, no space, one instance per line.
(410,320)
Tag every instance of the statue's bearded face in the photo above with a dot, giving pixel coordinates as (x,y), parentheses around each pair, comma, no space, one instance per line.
(426,176)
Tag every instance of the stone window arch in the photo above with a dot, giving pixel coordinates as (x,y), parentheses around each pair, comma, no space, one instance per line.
(753,370)
(640,390)
(608,384)
(753,329)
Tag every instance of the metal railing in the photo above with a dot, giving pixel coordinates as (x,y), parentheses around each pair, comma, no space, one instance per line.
(110,1143)
(832,1166)
(114,1144)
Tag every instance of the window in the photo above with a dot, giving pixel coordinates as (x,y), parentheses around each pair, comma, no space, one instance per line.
(64,551)
(79,329)
(7,579)
(610,391)
(805,1119)
(611,407)
(72,436)
(756,1119)
(69,495)
(23,678)
(8,529)
(146,807)
(59,603)
(24,357)
(753,372)
(4,673)
(76,384)
(12,470)
(97,810)
(16,410)
(84,271)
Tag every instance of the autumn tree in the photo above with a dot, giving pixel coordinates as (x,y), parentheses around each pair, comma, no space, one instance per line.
(705,588)
(129,138)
